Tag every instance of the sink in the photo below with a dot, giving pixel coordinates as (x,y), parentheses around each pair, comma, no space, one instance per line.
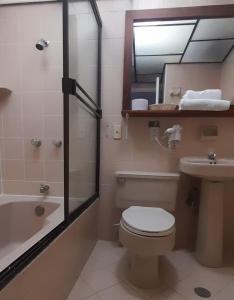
(205,168)
(209,244)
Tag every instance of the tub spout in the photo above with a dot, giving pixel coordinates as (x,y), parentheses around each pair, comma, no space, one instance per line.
(44,188)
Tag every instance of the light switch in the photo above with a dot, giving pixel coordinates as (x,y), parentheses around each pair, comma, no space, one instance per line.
(117,132)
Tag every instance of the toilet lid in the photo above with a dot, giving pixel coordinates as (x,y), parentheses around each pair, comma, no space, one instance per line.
(148,221)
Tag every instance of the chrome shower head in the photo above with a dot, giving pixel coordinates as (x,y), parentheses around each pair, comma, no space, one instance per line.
(42,44)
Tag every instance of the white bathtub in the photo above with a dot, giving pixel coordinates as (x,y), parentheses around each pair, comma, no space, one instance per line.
(21,227)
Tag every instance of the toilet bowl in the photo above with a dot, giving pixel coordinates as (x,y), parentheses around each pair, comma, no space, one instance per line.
(147,230)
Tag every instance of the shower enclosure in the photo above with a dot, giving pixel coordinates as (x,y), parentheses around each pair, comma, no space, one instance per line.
(50,111)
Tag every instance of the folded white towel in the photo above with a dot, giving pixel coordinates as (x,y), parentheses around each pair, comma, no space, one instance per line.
(206,94)
(204,104)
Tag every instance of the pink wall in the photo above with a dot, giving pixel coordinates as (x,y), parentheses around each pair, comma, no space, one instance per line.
(34,108)
(138,153)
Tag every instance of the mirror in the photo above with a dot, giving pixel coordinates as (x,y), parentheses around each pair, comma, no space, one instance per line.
(182,48)
(180,55)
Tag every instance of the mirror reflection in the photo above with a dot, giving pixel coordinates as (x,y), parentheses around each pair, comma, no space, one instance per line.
(172,57)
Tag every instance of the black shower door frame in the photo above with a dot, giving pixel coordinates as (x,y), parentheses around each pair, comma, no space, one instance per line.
(72,87)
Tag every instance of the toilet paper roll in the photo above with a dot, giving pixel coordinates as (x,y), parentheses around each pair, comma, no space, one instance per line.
(139,104)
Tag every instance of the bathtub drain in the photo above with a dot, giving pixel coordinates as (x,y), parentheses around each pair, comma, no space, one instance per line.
(39,210)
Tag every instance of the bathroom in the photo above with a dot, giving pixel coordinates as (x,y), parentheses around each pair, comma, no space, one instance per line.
(49,141)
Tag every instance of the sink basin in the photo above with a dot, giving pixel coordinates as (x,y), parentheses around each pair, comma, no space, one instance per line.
(205,168)
(209,244)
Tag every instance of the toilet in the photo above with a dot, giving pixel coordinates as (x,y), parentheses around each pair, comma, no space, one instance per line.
(147,226)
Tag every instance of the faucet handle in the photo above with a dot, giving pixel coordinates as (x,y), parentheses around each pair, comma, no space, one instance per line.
(57,143)
(36,142)
(212,155)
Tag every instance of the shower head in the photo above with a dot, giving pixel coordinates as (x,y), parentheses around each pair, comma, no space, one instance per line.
(42,44)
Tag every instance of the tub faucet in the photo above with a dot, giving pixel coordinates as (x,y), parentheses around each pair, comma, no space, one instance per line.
(44,188)
(212,156)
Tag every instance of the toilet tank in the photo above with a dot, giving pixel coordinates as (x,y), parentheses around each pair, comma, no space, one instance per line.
(154,189)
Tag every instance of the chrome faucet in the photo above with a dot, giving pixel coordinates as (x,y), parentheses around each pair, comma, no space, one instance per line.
(44,188)
(212,157)
(36,142)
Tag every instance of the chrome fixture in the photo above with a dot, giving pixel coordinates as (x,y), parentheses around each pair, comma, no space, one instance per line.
(36,142)
(57,143)
(44,188)
(212,157)
(42,44)
(173,135)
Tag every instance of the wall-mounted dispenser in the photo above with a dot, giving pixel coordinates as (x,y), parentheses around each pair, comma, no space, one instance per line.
(174,136)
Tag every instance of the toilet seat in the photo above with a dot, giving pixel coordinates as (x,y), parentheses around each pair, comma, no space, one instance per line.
(148,221)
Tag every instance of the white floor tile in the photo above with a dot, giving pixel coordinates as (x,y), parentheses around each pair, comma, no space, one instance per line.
(168,294)
(81,290)
(124,291)
(226,294)
(101,279)
(104,277)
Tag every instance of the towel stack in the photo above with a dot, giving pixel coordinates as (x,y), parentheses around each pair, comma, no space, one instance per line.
(204,100)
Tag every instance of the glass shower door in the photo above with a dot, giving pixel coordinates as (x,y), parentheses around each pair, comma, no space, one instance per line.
(81,87)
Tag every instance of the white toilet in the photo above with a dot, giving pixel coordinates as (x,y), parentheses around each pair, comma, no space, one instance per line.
(147,228)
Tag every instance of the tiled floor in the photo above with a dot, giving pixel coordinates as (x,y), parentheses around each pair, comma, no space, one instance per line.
(103,278)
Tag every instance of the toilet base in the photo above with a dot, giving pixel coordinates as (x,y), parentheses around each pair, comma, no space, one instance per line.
(143,271)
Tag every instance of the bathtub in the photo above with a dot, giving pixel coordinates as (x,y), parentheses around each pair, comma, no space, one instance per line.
(24,220)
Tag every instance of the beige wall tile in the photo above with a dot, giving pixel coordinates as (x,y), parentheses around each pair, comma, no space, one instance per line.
(54,171)
(12,149)
(12,126)
(34,170)
(13,169)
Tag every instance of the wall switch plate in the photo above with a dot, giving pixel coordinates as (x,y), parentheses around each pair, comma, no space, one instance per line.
(209,133)
(117,132)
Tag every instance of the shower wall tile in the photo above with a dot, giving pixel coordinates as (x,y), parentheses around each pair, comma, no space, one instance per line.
(54,171)
(53,126)
(32,103)
(28,18)
(13,169)
(34,170)
(51,152)
(52,103)
(32,125)
(52,78)
(34,109)
(31,152)
(15,187)
(12,125)
(12,149)
(9,30)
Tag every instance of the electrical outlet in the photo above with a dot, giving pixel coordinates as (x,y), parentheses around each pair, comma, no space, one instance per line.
(117,132)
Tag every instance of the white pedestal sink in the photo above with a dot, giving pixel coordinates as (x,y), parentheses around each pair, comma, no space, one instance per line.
(209,245)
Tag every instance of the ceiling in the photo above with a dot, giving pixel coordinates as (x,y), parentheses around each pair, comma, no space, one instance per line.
(158,43)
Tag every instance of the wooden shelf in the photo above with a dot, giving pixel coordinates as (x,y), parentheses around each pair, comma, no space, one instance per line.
(179,113)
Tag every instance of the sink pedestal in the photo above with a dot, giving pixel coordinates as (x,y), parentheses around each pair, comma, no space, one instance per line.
(209,246)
